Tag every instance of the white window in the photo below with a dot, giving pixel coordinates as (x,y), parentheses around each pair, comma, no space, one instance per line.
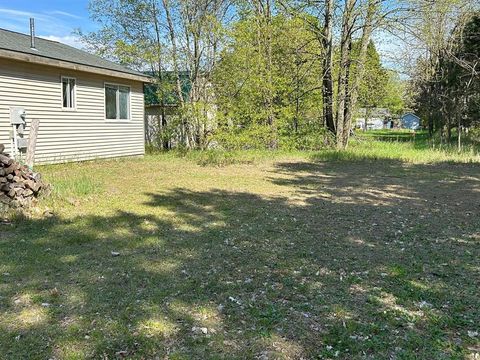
(117,102)
(68,92)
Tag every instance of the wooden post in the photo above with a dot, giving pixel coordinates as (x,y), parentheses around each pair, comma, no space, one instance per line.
(32,143)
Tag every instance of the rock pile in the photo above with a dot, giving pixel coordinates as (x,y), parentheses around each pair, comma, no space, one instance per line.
(19,186)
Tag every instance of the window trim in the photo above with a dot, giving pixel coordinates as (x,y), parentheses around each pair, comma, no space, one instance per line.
(129,107)
(74,107)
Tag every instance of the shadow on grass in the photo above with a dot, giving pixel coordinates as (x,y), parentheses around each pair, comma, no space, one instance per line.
(360,260)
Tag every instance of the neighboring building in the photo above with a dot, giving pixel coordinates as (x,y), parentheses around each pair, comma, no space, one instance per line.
(88,107)
(171,104)
(410,121)
(377,119)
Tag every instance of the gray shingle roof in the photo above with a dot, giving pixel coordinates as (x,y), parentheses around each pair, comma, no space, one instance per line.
(13,41)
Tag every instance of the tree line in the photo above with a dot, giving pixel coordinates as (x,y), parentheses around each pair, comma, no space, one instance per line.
(447,77)
(266,73)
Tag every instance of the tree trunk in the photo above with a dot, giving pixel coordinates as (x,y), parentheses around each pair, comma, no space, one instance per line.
(430,125)
(173,40)
(327,82)
(367,117)
(163,119)
(459,135)
(271,115)
(176,73)
(444,113)
(264,20)
(345,53)
(297,90)
(362,57)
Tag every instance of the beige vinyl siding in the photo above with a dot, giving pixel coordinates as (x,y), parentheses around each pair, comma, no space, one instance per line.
(70,135)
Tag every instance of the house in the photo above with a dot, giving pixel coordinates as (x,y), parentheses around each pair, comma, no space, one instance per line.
(155,108)
(88,107)
(169,108)
(377,119)
(410,121)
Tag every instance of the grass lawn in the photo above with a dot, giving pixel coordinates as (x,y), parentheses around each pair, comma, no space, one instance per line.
(367,254)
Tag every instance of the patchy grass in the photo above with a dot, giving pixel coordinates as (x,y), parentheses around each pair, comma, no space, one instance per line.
(290,257)
(221,158)
(406,146)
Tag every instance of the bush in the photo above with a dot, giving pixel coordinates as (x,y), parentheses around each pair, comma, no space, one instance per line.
(474,134)
(253,137)
(308,137)
(218,158)
(262,137)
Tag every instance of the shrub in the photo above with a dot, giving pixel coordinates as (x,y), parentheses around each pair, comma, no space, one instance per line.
(474,134)
(218,158)
(307,137)
(262,137)
(253,137)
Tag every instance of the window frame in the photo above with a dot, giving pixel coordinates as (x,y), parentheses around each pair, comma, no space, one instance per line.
(129,105)
(74,107)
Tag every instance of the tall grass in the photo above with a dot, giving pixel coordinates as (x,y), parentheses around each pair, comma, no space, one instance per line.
(74,180)
(220,158)
(78,186)
(403,146)
(374,150)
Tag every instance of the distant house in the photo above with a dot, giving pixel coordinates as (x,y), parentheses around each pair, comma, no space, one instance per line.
(410,121)
(88,107)
(377,118)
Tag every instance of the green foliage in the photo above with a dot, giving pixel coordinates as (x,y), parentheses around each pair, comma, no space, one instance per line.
(255,84)
(259,137)
(448,94)
(308,137)
(380,87)
(218,158)
(374,82)
(264,89)
(474,134)
(394,94)
(245,138)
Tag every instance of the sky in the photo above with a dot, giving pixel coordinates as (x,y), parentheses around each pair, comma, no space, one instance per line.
(54,19)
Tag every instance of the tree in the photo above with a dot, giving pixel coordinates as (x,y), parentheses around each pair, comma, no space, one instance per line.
(343,83)
(372,88)
(276,66)
(165,37)
(394,93)
(246,76)
(327,81)
(352,20)
(435,34)
(447,76)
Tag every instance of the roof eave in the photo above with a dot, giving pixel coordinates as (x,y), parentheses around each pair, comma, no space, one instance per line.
(43,60)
